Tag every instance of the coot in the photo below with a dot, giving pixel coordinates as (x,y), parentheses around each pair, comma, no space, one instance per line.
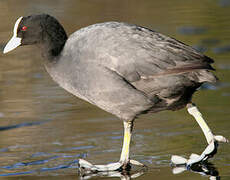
(124,69)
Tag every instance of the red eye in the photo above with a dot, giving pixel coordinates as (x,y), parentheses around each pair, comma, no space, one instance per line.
(24,28)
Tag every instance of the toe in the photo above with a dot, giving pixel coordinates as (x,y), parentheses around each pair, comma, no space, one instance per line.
(178,160)
(109,167)
(134,162)
(220,138)
(85,164)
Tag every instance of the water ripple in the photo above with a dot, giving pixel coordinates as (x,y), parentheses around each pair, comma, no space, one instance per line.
(4,128)
(190,30)
(69,164)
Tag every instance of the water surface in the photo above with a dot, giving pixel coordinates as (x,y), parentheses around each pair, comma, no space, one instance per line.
(45,130)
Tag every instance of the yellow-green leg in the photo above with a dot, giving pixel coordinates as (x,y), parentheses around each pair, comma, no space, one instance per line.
(124,163)
(128,126)
(212,140)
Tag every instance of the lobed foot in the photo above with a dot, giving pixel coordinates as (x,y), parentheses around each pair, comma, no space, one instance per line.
(209,152)
(118,166)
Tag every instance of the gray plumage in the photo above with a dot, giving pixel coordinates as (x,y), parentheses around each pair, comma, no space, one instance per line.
(128,70)
(124,69)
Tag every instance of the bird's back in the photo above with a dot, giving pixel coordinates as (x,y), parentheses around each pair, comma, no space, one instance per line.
(152,63)
(135,52)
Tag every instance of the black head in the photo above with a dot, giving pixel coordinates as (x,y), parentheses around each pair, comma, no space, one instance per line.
(30,29)
(41,29)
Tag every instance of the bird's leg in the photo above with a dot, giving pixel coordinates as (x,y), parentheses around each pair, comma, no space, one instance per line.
(124,163)
(212,140)
(128,127)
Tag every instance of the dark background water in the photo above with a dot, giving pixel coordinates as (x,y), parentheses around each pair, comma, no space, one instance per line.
(44,130)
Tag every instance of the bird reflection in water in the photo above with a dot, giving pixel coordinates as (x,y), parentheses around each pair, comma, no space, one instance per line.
(123,175)
(205,169)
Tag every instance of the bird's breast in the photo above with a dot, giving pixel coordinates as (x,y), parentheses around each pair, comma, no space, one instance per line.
(64,80)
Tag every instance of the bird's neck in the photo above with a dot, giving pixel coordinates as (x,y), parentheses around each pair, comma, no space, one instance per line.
(53,39)
(52,47)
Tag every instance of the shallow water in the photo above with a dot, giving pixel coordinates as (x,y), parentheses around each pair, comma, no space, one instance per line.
(45,130)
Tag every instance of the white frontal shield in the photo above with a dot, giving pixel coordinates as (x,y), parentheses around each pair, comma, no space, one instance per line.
(14,41)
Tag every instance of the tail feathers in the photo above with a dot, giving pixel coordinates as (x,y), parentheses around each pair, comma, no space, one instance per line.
(200,72)
(208,60)
(204,75)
